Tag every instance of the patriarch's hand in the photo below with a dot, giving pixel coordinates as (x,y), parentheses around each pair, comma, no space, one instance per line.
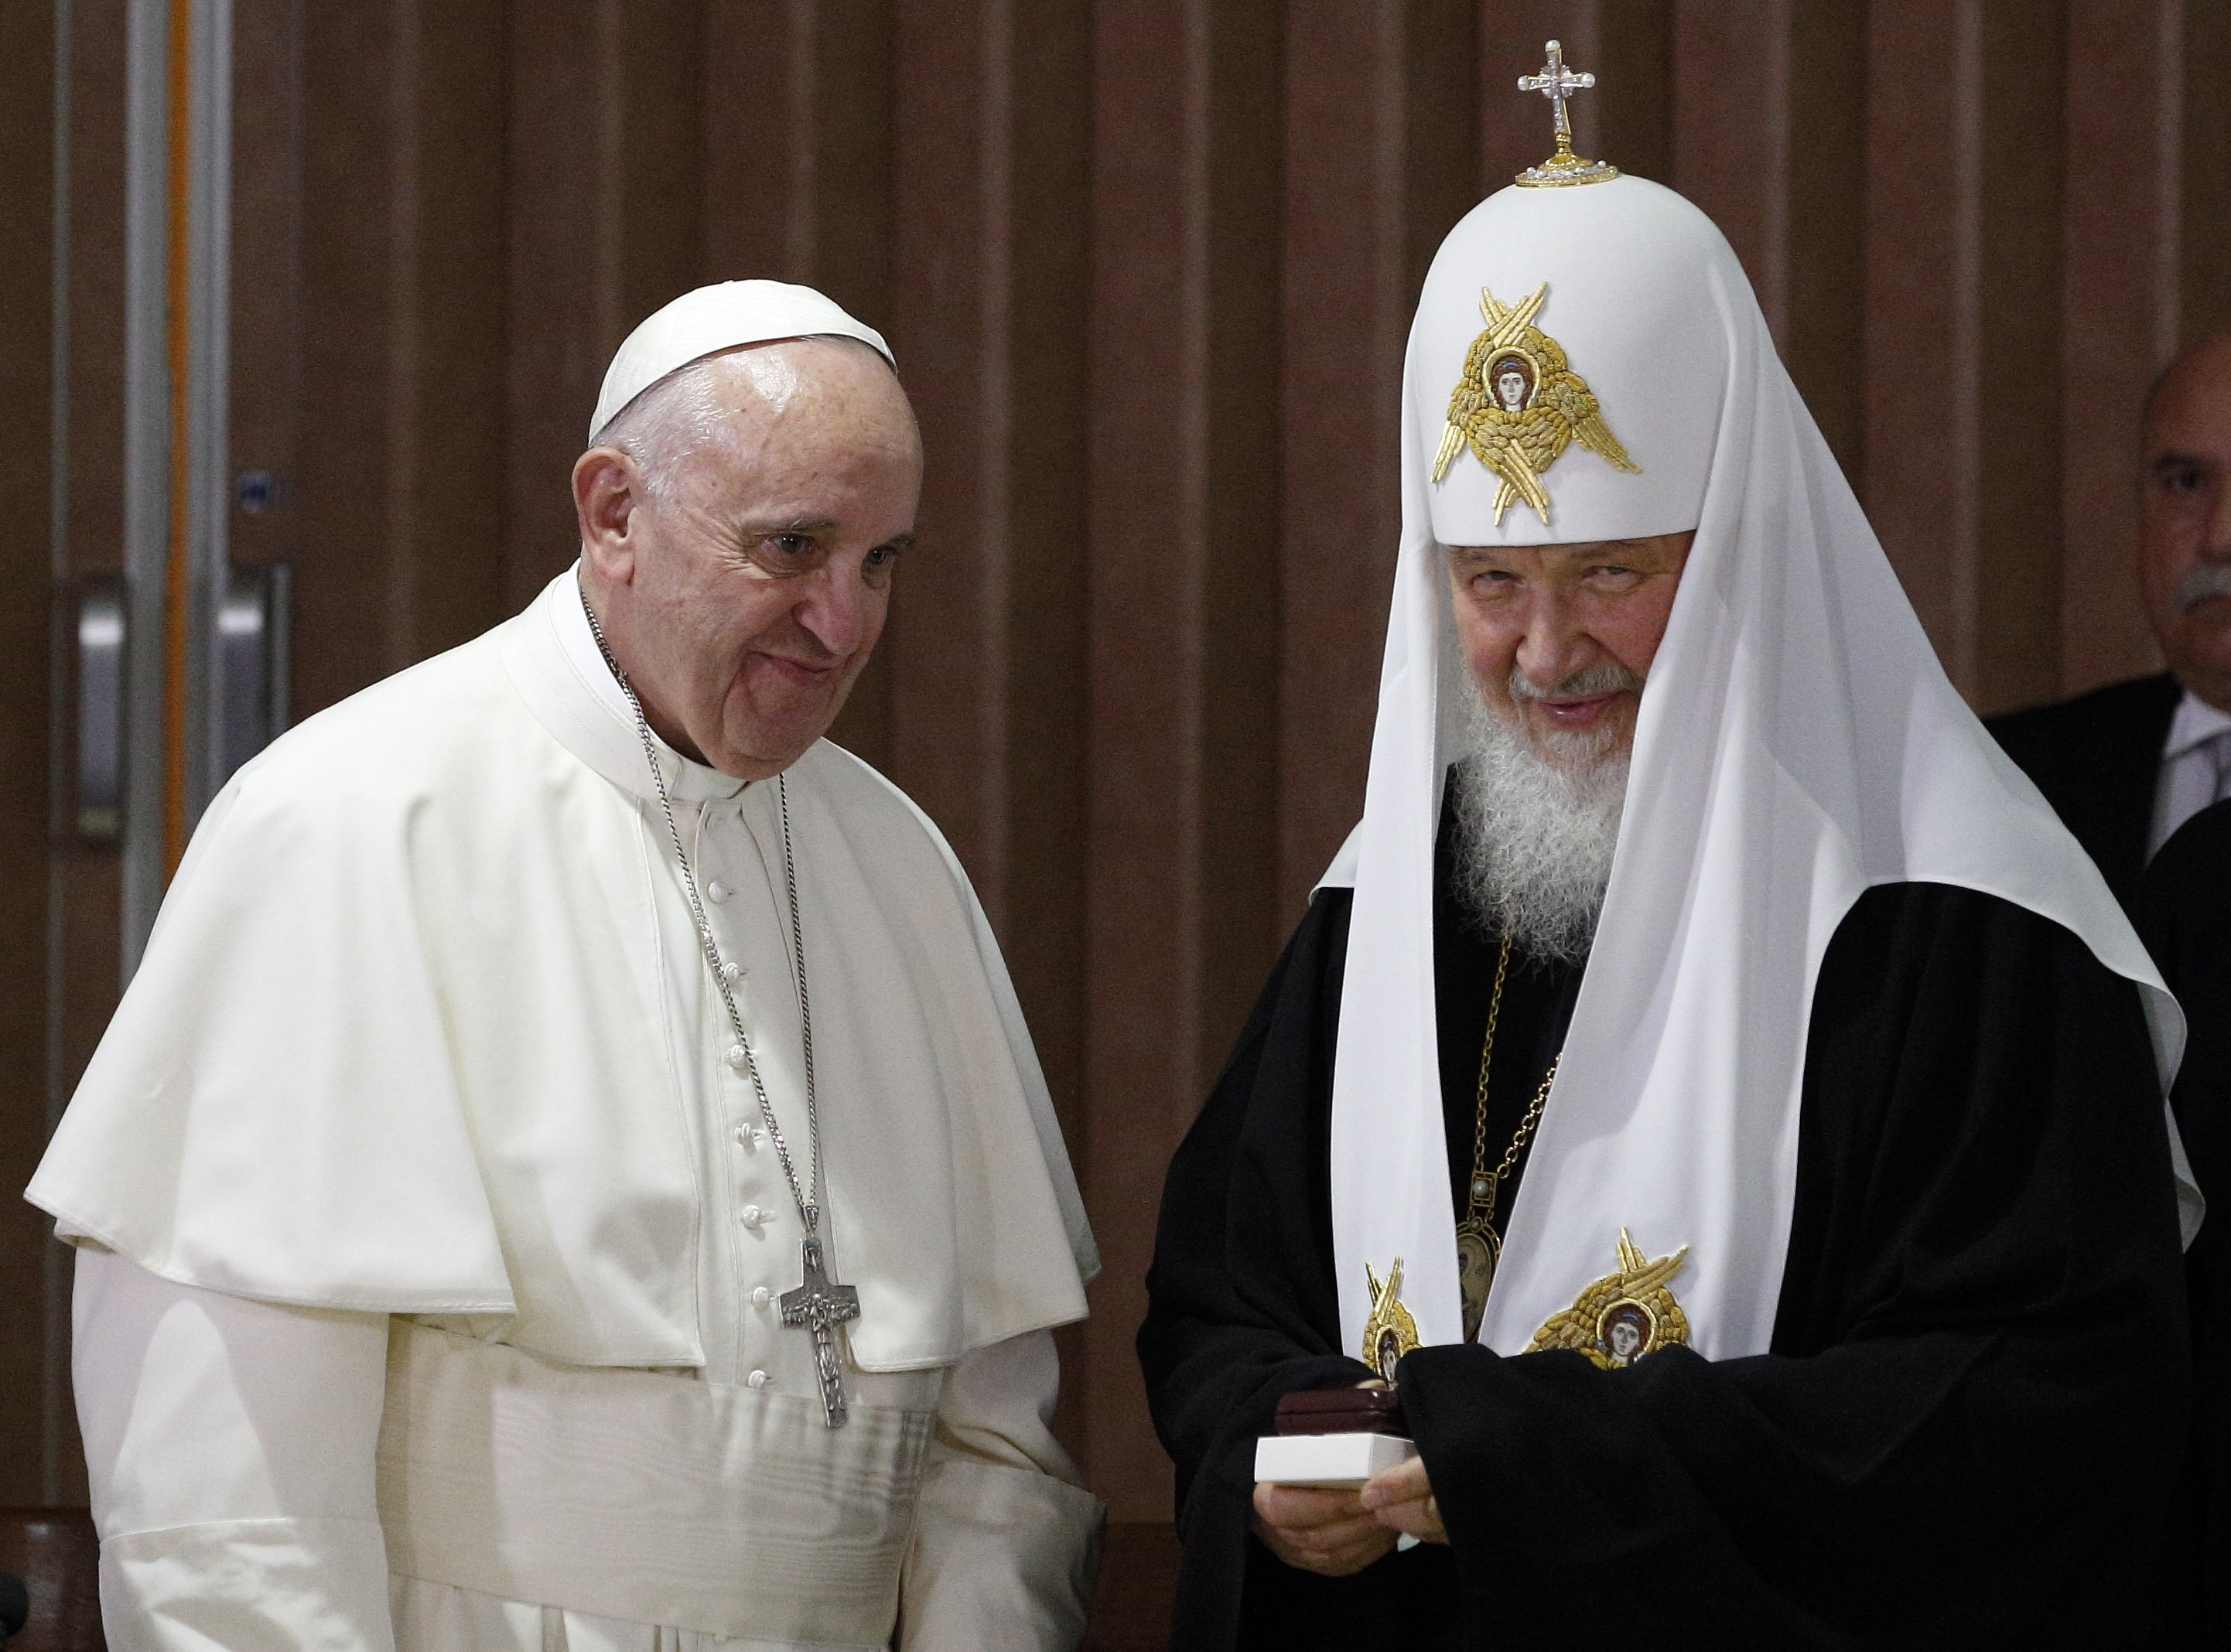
(1328,1532)
(1402,1500)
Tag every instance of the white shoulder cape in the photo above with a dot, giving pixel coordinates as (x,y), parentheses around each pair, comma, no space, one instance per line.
(403,1041)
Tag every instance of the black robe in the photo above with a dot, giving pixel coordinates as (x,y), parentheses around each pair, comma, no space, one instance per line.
(2185,913)
(2098,759)
(1967,1428)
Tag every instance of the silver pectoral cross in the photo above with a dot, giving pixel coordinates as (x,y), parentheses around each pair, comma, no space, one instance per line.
(820,1305)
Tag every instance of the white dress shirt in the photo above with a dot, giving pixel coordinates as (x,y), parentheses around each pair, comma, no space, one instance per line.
(2195,768)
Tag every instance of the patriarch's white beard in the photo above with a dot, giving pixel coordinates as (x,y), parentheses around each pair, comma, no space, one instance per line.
(1533,848)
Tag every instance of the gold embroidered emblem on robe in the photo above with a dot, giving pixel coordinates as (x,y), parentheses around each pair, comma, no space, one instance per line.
(1623,1317)
(1519,405)
(1390,1331)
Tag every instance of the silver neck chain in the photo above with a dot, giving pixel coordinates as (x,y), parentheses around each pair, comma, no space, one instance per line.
(809,1209)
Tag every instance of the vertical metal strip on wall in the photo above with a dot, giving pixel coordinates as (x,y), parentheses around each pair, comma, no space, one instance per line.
(204,443)
(146,459)
(178,224)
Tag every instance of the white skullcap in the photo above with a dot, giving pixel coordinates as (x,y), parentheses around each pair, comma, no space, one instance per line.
(724,316)
(1632,270)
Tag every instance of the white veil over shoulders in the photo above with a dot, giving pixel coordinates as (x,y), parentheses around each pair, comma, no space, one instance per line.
(1798,743)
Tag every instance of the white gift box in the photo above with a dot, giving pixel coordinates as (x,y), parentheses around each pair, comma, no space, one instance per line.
(1331,1459)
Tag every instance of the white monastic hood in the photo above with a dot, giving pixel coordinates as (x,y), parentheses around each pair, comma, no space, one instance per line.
(1798,743)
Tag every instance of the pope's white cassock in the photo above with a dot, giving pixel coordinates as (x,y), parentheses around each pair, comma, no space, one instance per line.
(432,1242)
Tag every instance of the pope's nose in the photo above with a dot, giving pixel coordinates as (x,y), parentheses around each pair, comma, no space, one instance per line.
(834,612)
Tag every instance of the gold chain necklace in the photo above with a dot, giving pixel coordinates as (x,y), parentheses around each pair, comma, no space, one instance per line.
(1480,1244)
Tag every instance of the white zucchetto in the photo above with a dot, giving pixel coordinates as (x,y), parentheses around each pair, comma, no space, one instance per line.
(727,315)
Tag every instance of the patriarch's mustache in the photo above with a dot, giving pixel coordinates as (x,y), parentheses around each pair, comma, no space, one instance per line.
(1604,677)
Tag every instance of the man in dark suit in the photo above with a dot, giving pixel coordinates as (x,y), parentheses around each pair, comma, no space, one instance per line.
(2184,912)
(2127,765)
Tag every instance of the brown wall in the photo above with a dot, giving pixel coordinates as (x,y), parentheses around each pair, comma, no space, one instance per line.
(1147,266)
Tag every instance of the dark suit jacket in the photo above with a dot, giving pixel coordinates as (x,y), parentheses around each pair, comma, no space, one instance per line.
(2184,912)
(2097,759)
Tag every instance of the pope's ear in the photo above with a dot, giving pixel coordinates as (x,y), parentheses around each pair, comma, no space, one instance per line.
(606,489)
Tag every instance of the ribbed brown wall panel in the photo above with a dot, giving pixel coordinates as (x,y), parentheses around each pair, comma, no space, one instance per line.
(267,269)
(2205,94)
(1183,530)
(347,490)
(951,323)
(987,673)
(1382,121)
(1924,215)
(1769,133)
(2119,259)
(450,541)
(1824,327)
(603,208)
(2017,601)
(394,410)
(26,125)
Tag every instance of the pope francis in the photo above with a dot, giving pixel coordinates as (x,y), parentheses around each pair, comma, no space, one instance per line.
(571,1170)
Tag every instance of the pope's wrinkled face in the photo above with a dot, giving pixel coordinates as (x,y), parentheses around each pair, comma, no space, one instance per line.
(1560,637)
(2184,525)
(744,596)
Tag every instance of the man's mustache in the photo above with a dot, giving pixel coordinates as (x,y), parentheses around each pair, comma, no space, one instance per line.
(2208,579)
(1606,677)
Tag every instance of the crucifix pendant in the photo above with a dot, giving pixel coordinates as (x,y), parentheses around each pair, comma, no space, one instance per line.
(1479,1247)
(820,1305)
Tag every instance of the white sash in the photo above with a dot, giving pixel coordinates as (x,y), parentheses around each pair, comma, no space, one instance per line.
(657,1500)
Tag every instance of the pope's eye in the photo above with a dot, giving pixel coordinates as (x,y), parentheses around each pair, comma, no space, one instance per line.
(882,556)
(791,545)
(2185,479)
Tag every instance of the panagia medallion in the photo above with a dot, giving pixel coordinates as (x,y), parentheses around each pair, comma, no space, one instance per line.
(1479,1247)
(1519,405)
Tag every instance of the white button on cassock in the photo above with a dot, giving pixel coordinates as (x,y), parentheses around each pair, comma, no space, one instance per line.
(753,1216)
(738,1057)
(757,1379)
(716,892)
(761,1296)
(733,972)
(748,1136)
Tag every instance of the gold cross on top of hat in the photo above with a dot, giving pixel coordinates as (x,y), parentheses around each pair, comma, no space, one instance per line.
(1556,83)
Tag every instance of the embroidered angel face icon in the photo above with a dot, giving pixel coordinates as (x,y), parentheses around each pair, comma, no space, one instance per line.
(1519,405)
(1390,1354)
(1511,379)
(1625,1333)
